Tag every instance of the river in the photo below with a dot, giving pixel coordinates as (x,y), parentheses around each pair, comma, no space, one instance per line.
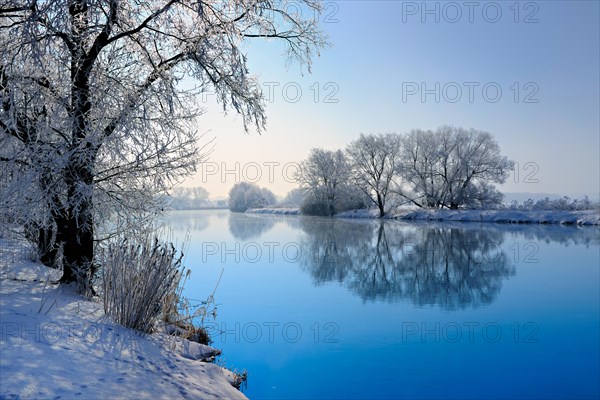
(320,308)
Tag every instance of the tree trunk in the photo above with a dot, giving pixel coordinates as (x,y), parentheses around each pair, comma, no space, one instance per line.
(77,231)
(380,205)
(47,249)
(78,251)
(79,222)
(46,233)
(45,242)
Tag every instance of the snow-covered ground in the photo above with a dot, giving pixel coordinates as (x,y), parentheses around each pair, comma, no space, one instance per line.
(54,344)
(588,217)
(274,211)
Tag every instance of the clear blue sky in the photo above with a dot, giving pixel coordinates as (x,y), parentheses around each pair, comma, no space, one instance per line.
(543,56)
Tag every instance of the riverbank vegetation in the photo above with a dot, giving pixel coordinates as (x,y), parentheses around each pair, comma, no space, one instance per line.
(448,168)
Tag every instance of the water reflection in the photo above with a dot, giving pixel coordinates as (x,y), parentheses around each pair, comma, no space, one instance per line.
(249,226)
(429,265)
(450,265)
(192,221)
(564,235)
(406,274)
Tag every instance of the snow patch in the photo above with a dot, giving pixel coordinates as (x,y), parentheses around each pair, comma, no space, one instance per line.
(589,217)
(274,211)
(56,344)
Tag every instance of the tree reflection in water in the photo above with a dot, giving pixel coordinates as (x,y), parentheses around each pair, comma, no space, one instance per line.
(448,266)
(192,221)
(249,226)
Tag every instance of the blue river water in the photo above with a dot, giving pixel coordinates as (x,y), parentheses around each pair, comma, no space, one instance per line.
(318,308)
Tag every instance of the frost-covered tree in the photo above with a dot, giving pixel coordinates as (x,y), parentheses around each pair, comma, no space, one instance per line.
(325,179)
(244,195)
(186,198)
(418,166)
(452,168)
(94,118)
(293,198)
(373,159)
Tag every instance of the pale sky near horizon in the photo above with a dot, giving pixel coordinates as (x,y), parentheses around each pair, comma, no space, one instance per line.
(528,72)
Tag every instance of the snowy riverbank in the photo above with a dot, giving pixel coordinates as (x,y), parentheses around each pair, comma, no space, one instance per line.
(55,344)
(587,217)
(274,211)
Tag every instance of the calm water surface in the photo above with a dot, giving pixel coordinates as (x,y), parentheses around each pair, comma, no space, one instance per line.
(319,308)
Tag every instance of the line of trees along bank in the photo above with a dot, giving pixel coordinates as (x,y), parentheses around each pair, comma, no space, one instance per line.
(447,168)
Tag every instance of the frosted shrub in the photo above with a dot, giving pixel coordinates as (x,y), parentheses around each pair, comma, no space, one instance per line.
(140,278)
(243,196)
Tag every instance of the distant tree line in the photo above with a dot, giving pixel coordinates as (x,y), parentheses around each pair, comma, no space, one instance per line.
(447,168)
(452,168)
(185,198)
(564,203)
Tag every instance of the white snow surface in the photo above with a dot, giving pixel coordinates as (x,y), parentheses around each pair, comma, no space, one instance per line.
(55,344)
(587,217)
(274,211)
